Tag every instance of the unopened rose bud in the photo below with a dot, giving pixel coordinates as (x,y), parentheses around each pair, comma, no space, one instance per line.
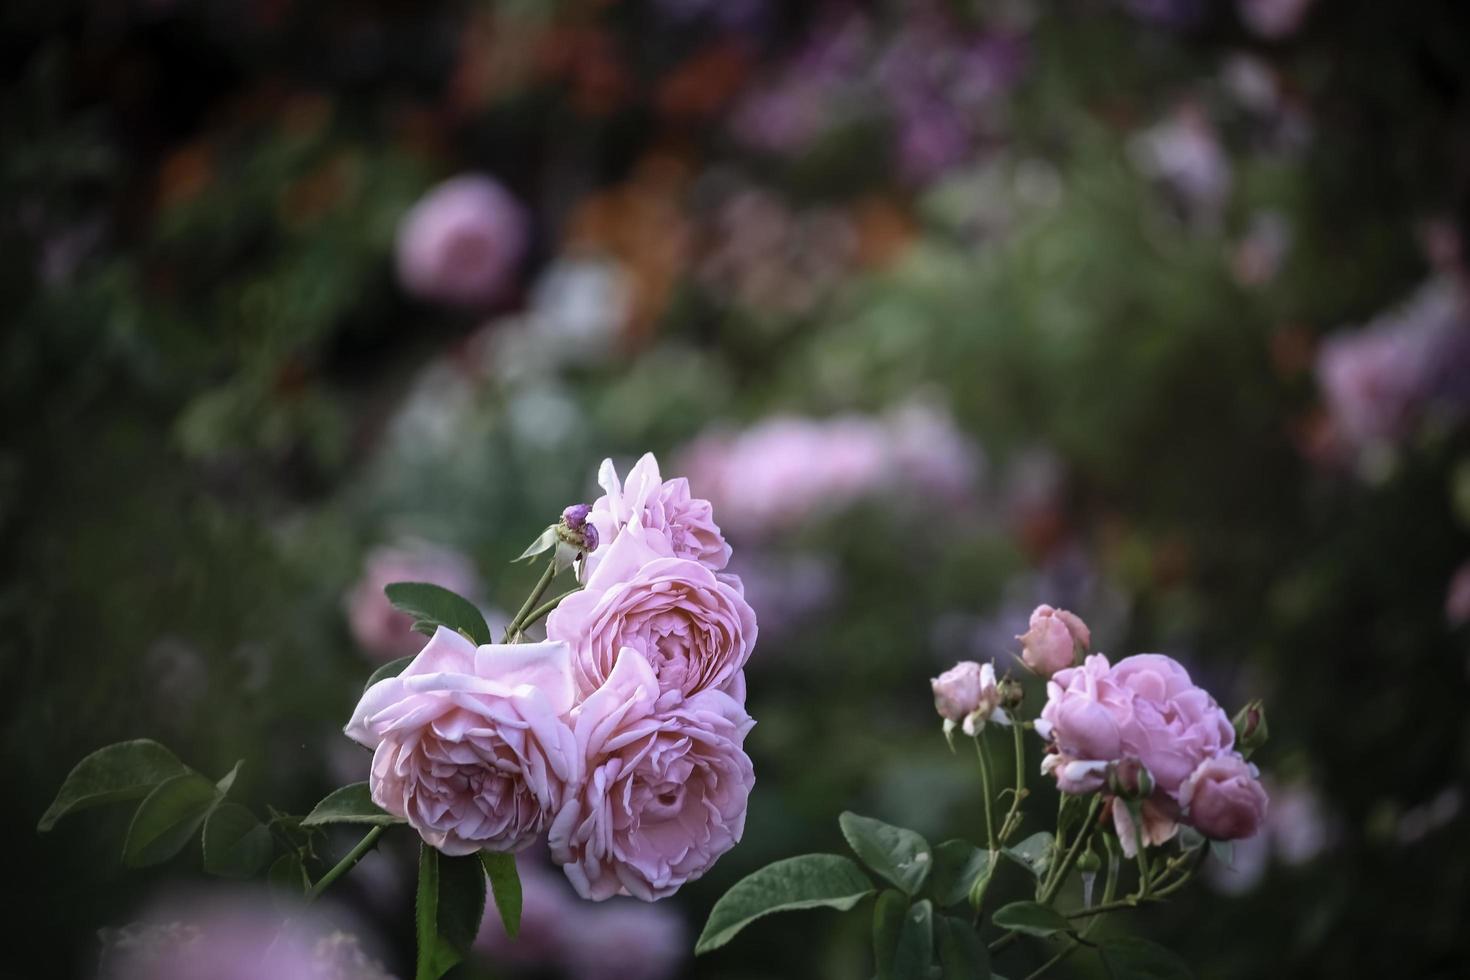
(1250,728)
(1089,862)
(1051,642)
(589,537)
(575,516)
(1131,780)
(575,531)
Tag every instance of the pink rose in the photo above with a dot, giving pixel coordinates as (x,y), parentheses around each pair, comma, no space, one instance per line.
(685,523)
(470,745)
(1144,708)
(1051,643)
(666,786)
(967,695)
(461,242)
(1160,823)
(380,629)
(1224,798)
(693,626)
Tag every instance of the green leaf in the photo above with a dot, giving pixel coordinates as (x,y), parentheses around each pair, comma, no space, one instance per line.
(1190,839)
(123,771)
(1132,958)
(958,865)
(288,874)
(962,956)
(349,804)
(390,669)
(544,541)
(900,855)
(1033,853)
(1031,918)
(236,845)
(227,781)
(505,885)
(888,914)
(167,818)
(806,882)
(1223,851)
(915,950)
(450,905)
(433,605)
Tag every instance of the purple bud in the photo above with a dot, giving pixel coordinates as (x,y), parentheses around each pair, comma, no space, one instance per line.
(575,516)
(589,536)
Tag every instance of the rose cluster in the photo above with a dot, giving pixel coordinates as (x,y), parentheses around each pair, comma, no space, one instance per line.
(620,737)
(1156,743)
(1139,731)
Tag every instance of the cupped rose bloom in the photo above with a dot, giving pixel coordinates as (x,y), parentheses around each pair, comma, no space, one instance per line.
(461,242)
(470,746)
(378,628)
(1144,708)
(967,695)
(685,523)
(1051,642)
(666,787)
(1224,798)
(693,626)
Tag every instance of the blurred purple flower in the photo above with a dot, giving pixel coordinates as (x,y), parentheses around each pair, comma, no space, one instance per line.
(1457,598)
(1177,14)
(1259,254)
(787,589)
(1184,154)
(1273,19)
(382,631)
(237,935)
(1380,381)
(461,243)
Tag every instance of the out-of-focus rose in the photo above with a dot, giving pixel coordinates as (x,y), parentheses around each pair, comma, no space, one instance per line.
(1051,642)
(1144,708)
(693,626)
(1273,19)
(626,941)
(461,242)
(1457,598)
(666,787)
(685,522)
(1184,153)
(470,745)
(1224,799)
(548,911)
(238,935)
(380,629)
(967,695)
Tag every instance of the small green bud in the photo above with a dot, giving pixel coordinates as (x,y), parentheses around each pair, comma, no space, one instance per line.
(1089,862)
(1251,730)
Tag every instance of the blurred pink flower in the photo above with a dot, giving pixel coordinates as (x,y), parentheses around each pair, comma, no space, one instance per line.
(666,788)
(233,935)
(383,631)
(626,941)
(470,745)
(1184,153)
(549,914)
(461,242)
(1379,381)
(1273,19)
(1457,599)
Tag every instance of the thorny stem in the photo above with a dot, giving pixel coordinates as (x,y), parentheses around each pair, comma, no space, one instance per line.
(347,863)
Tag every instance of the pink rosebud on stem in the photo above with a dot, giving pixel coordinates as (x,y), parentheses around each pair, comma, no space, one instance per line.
(1051,643)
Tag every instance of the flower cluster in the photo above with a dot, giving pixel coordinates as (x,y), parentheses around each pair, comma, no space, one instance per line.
(1146,735)
(619,738)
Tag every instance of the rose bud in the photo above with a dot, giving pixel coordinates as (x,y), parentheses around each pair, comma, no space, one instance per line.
(1223,798)
(1251,731)
(576,515)
(1051,643)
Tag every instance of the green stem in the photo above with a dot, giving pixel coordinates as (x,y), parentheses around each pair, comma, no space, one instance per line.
(546,608)
(347,863)
(519,622)
(985,788)
(1110,884)
(1073,853)
(1012,821)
